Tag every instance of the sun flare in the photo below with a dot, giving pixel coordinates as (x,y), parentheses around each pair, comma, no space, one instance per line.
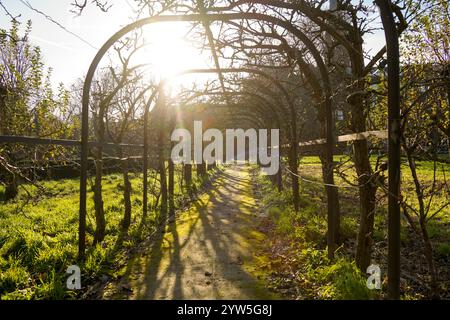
(169,51)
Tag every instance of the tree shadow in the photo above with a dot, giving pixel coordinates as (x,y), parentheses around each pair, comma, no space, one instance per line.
(206,258)
(152,283)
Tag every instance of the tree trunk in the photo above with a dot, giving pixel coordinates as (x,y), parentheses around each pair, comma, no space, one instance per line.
(293,165)
(279,175)
(163,184)
(98,200)
(171,187)
(212,166)
(187,174)
(98,197)
(279,181)
(333,194)
(367,191)
(201,170)
(126,196)
(12,188)
(161,125)
(162,172)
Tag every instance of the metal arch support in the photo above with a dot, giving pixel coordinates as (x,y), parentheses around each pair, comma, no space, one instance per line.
(145,160)
(393,59)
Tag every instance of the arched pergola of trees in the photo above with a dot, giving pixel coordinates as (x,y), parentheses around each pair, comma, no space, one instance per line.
(323,87)
(266,109)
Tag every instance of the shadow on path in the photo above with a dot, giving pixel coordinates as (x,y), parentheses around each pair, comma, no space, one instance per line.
(207,252)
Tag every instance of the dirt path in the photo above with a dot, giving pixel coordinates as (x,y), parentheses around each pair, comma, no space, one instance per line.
(208,252)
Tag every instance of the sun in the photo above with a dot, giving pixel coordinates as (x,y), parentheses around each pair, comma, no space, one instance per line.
(169,51)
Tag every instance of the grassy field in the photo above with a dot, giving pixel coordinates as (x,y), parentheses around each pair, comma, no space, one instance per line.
(38,234)
(299,238)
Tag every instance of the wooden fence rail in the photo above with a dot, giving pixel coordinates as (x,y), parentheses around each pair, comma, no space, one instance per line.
(61,142)
(380,134)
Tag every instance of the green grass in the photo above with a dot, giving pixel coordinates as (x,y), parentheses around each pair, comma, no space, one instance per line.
(443,250)
(38,238)
(306,230)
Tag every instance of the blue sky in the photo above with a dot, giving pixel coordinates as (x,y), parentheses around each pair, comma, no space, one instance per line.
(70,57)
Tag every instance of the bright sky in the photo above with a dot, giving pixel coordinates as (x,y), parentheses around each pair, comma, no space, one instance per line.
(70,57)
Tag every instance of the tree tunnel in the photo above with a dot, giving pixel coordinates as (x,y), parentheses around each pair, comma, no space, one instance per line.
(321,87)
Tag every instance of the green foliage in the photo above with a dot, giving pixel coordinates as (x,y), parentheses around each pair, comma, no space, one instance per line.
(30,106)
(436,232)
(443,249)
(340,280)
(428,36)
(285,222)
